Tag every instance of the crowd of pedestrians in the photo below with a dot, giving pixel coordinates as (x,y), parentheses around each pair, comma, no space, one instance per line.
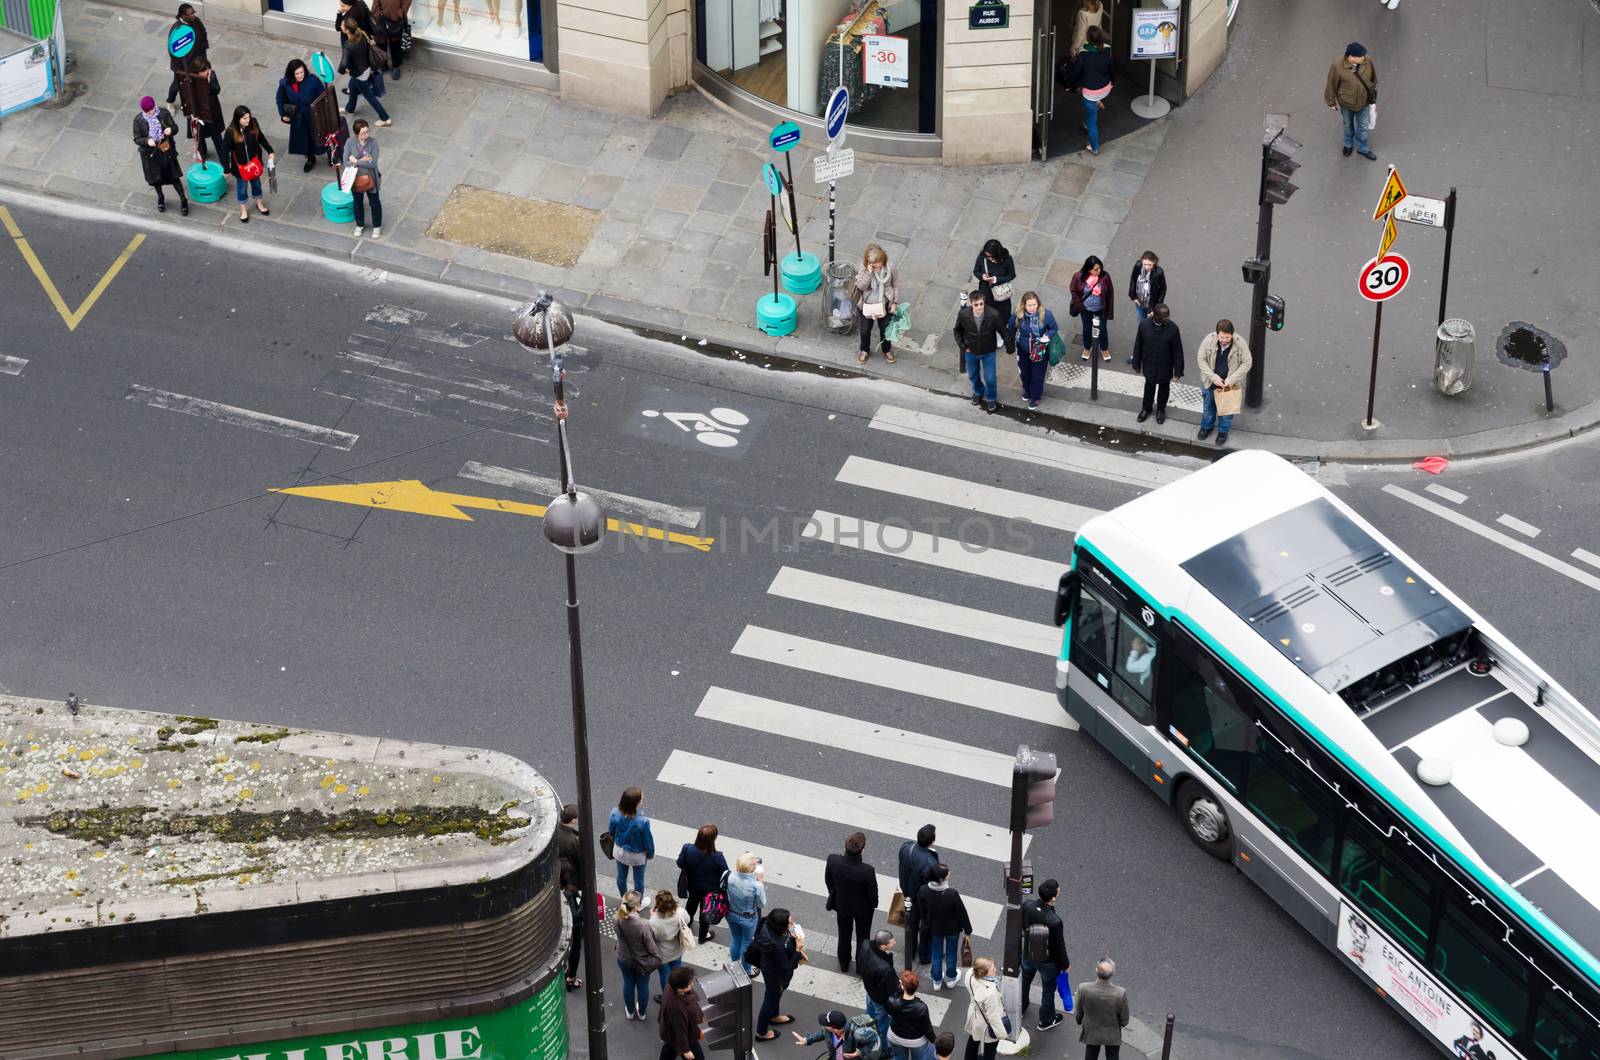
(371,42)
(655,932)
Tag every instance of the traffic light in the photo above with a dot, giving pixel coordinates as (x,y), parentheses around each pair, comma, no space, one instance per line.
(1277,163)
(1275,308)
(1256,270)
(1033,789)
(725,998)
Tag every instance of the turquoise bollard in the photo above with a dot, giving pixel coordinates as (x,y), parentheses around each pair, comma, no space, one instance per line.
(338,206)
(776,314)
(206,182)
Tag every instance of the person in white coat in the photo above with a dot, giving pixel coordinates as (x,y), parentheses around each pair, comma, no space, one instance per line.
(986,1014)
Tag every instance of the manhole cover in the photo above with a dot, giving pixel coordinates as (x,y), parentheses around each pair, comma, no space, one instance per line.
(550,232)
(1521,345)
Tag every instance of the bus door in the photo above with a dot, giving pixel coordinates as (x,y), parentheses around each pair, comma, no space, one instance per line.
(1116,643)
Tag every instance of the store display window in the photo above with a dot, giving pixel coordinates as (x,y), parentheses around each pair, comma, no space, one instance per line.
(792,53)
(512,28)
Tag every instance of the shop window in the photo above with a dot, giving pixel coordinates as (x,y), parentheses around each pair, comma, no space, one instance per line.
(511,28)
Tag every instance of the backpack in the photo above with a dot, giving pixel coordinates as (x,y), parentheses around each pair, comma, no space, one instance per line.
(864,1037)
(714,906)
(1035,936)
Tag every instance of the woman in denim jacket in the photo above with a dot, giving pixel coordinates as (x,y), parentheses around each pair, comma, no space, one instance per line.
(633,843)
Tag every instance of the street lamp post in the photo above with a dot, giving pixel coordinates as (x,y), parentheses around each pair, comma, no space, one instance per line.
(574,523)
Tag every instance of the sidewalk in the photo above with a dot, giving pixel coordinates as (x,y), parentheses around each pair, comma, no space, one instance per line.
(668,215)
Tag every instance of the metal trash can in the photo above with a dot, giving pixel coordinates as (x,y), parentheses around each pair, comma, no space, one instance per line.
(840,317)
(1455,355)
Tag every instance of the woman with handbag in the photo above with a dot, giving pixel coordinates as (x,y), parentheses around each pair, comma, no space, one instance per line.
(362,153)
(249,154)
(670,925)
(637,955)
(632,843)
(297,91)
(1092,300)
(995,273)
(389,19)
(986,1014)
(876,292)
(356,60)
(153,134)
(1036,332)
(702,867)
(781,947)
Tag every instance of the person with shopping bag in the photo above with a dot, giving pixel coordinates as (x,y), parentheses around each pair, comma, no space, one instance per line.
(361,156)
(1352,90)
(1039,346)
(1224,362)
(876,290)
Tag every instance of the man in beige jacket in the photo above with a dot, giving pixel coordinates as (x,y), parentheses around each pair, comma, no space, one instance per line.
(1224,361)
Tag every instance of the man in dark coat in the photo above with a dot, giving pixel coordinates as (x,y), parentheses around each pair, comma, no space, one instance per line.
(875,962)
(917,862)
(680,1018)
(852,894)
(1158,354)
(1042,911)
(978,328)
(567,839)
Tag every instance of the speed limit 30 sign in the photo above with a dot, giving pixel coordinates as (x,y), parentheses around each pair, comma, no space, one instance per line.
(1383,278)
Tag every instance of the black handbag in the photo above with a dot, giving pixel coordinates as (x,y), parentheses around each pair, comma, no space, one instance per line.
(290,110)
(683,883)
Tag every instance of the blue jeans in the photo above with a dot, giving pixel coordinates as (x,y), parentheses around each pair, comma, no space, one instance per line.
(246,188)
(666,970)
(1047,972)
(986,387)
(881,1016)
(1032,373)
(622,878)
(912,1052)
(635,988)
(1140,312)
(741,930)
(1090,343)
(946,948)
(360,88)
(1091,118)
(1208,414)
(1355,128)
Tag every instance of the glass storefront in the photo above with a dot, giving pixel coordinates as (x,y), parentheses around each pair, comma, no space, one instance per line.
(512,28)
(792,54)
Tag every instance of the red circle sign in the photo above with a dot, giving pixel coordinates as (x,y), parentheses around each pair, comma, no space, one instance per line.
(1383,277)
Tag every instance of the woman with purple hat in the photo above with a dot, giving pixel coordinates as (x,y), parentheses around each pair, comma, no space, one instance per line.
(153,133)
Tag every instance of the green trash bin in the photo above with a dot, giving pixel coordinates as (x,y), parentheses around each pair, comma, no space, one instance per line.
(338,206)
(207,182)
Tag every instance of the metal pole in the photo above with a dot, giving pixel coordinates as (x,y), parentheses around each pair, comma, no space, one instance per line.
(1013,947)
(788,161)
(1255,383)
(1166,1039)
(1094,366)
(1549,399)
(1449,235)
(1372,381)
(832,203)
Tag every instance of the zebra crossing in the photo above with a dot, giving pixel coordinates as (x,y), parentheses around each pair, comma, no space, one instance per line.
(863,524)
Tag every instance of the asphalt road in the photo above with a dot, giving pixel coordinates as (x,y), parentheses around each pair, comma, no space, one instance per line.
(144,562)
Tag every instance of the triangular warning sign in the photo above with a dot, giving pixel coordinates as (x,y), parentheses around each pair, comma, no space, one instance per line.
(1390,232)
(1393,191)
(1284,641)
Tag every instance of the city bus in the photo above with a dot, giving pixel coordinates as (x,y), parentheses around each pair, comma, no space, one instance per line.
(1356,740)
(187,888)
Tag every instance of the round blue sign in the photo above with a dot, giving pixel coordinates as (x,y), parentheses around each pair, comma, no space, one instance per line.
(784,136)
(774,179)
(180,41)
(838,110)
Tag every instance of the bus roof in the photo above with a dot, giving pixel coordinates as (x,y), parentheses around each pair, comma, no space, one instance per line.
(1232,547)
(125,815)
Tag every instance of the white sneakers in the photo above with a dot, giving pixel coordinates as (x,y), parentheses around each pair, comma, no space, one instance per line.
(1390,4)
(358,231)
(377,233)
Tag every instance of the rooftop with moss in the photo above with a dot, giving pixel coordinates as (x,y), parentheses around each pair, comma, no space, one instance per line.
(113,816)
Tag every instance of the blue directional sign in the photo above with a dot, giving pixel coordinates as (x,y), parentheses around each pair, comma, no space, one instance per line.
(180,40)
(774,179)
(838,110)
(785,135)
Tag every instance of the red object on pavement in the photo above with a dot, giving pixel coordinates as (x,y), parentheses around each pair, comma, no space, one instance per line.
(600,905)
(1433,465)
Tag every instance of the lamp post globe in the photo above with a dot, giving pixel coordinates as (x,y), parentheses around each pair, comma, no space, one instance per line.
(574,523)
(543,325)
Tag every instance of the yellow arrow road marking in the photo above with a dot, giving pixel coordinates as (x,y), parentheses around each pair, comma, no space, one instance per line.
(72,317)
(410,495)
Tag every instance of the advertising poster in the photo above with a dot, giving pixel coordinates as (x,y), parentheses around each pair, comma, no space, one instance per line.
(24,78)
(886,61)
(1155,34)
(1434,1007)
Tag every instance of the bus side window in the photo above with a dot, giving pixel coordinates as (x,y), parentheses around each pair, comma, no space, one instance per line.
(1092,628)
(1291,804)
(1392,893)
(1136,665)
(1562,1032)
(1493,981)
(1208,717)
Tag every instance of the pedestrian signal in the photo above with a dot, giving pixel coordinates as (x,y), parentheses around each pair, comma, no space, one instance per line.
(725,1004)
(1274,308)
(1277,166)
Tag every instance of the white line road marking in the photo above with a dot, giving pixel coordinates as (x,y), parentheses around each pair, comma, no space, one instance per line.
(1582,577)
(902,542)
(1586,556)
(238,417)
(825,802)
(1525,529)
(1453,496)
(959,493)
(800,872)
(892,606)
(12,365)
(855,734)
(843,989)
(461,378)
(1065,456)
(614,503)
(901,675)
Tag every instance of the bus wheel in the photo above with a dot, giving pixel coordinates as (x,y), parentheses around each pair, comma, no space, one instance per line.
(1205,820)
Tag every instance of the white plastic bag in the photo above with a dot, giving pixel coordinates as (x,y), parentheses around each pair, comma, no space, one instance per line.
(1372,116)
(347,177)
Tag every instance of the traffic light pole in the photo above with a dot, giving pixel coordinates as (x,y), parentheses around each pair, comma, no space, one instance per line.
(1013,949)
(1255,382)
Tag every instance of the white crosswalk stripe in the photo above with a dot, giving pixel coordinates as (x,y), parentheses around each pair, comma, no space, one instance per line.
(902,542)
(826,802)
(959,493)
(902,675)
(892,606)
(802,873)
(855,734)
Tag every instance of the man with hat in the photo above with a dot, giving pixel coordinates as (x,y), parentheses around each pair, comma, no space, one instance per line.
(1352,87)
(844,1040)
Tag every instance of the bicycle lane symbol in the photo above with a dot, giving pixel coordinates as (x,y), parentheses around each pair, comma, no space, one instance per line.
(719,428)
(701,424)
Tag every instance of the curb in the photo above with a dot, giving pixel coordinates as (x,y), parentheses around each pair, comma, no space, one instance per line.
(1102,423)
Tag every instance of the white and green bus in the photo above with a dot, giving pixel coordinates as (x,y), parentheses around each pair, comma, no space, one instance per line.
(1355,739)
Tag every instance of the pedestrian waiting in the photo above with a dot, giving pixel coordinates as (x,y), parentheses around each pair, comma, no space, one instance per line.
(154,133)
(670,926)
(1094,302)
(918,859)
(203,80)
(362,153)
(297,91)
(1158,355)
(1352,90)
(1223,363)
(680,1018)
(944,1046)
(1101,1009)
(875,962)
(876,289)
(249,155)
(1044,952)
(779,947)
(986,1013)
(977,332)
(1036,331)
(747,896)
(944,914)
(632,843)
(637,955)
(702,867)
(391,20)
(911,1029)
(996,272)
(366,75)
(1146,287)
(852,894)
